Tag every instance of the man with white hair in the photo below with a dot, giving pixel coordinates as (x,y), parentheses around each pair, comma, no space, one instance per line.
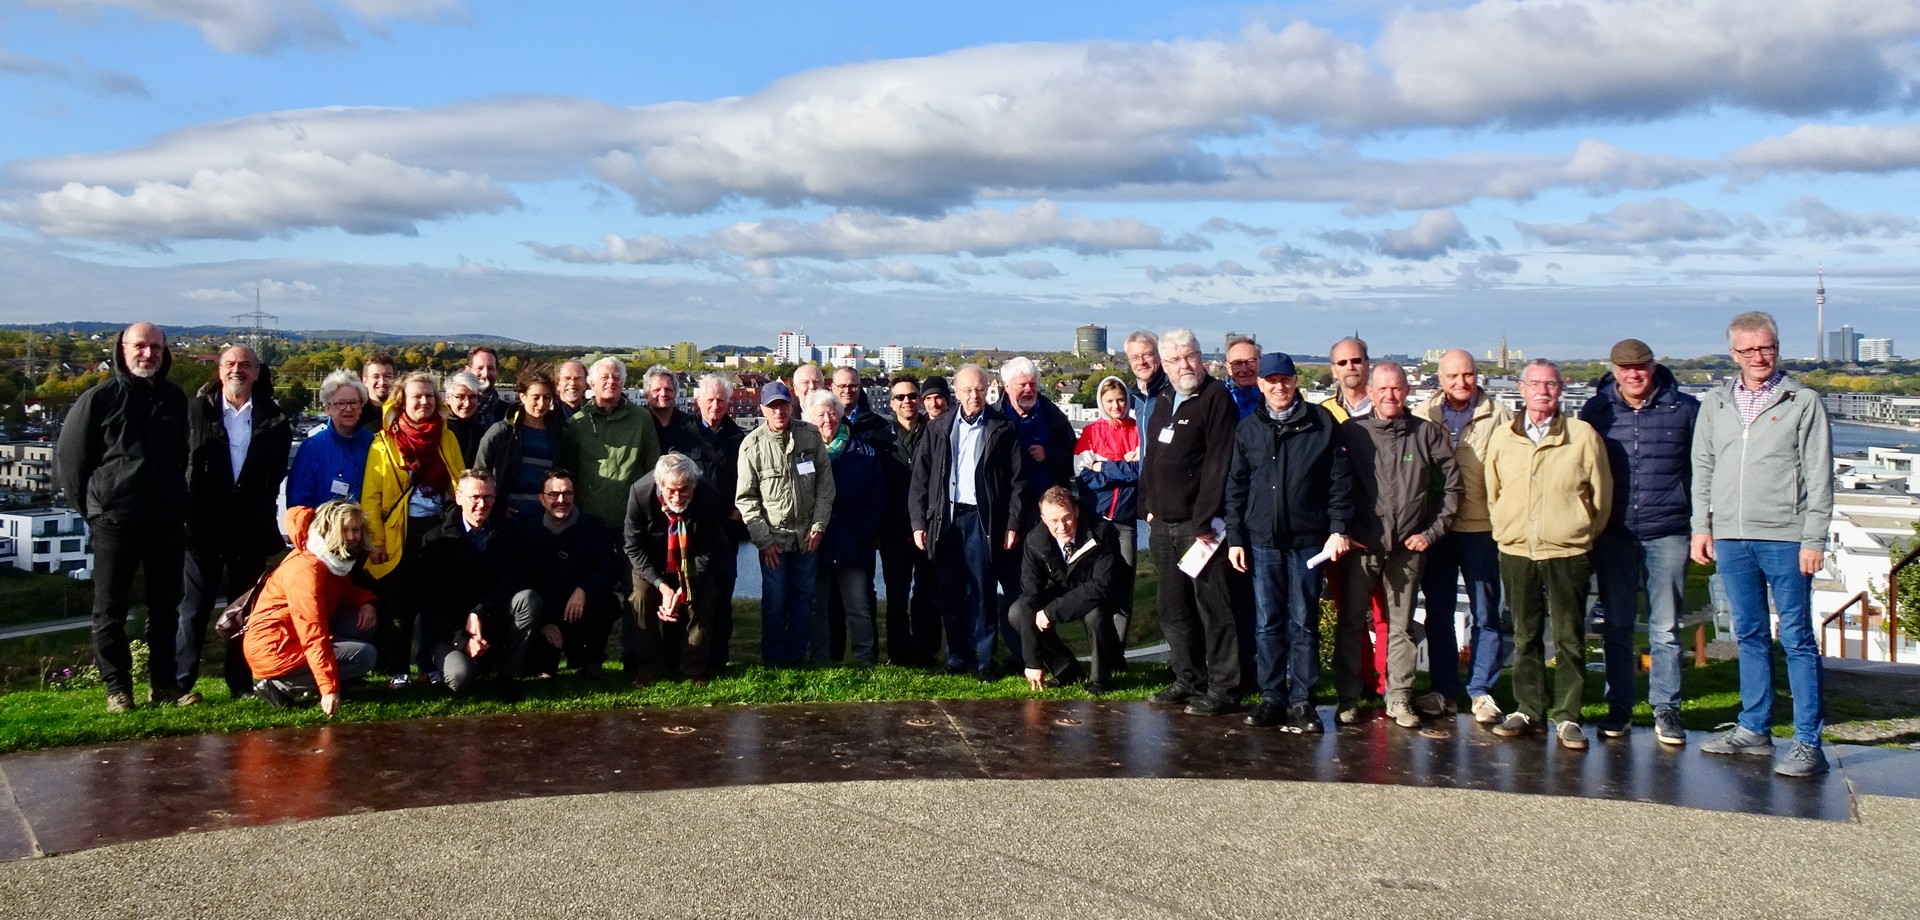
(237,446)
(1046,439)
(675,535)
(964,503)
(713,400)
(806,379)
(1183,494)
(122,461)
(617,444)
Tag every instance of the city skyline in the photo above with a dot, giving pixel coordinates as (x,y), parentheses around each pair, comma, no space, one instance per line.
(986,174)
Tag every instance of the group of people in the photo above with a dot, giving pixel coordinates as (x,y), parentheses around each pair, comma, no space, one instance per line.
(442,531)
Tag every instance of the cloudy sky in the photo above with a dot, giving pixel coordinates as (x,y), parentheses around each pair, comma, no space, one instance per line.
(981,173)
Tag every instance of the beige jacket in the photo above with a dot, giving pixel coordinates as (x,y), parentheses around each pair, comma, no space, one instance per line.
(786,486)
(1549,500)
(1470,455)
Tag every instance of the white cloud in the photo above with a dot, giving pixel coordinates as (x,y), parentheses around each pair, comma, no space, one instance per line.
(274,194)
(1661,220)
(1833,148)
(1225,268)
(1823,221)
(1435,233)
(265,288)
(1288,260)
(905,272)
(1034,269)
(865,234)
(77,74)
(265,26)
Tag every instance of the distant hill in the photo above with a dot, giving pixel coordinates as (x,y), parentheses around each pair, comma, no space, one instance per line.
(297,335)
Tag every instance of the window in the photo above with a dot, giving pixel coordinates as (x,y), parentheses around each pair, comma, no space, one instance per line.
(70,546)
(42,546)
(49,527)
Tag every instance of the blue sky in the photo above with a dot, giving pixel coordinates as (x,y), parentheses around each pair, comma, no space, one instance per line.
(987,173)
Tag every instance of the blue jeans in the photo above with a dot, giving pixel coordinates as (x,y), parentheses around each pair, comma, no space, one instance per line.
(1625,565)
(1286,625)
(1750,570)
(1474,557)
(786,608)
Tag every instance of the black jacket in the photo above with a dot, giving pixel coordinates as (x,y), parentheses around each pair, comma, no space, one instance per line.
(897,460)
(1183,480)
(499,451)
(1096,578)
(583,556)
(227,516)
(1047,427)
(123,450)
(1000,486)
(681,434)
(1289,484)
(467,433)
(724,440)
(458,578)
(646,532)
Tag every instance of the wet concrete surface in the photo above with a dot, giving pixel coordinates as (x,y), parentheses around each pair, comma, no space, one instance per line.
(79,798)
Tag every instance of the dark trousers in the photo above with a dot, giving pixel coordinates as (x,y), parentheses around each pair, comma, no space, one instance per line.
(583,641)
(1539,590)
(506,646)
(913,619)
(964,559)
(212,576)
(680,647)
(118,552)
(1196,614)
(400,606)
(1043,648)
(1123,618)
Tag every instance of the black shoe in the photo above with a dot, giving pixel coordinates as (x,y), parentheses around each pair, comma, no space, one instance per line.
(1616,723)
(1305,720)
(1266,715)
(271,693)
(1095,688)
(1210,705)
(1172,695)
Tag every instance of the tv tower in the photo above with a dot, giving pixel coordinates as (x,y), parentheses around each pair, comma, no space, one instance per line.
(1820,310)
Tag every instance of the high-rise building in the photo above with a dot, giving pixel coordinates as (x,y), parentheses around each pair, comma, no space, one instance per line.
(893,358)
(1843,344)
(1876,349)
(1089,340)
(794,348)
(843,354)
(685,354)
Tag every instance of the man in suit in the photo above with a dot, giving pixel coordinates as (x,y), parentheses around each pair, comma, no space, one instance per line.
(1070,569)
(964,505)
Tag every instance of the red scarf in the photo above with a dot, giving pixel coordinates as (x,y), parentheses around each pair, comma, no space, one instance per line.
(419,444)
(679,553)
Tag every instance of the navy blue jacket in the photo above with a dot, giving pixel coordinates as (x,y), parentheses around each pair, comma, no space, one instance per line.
(1650,453)
(859,503)
(1288,485)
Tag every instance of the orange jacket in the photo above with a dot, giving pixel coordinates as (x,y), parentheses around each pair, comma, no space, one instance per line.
(288,627)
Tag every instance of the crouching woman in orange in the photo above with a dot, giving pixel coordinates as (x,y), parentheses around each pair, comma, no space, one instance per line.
(292,639)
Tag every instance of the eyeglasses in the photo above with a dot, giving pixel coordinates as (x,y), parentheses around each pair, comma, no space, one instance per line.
(1541,384)
(1348,362)
(905,397)
(1765,351)
(344,406)
(559,495)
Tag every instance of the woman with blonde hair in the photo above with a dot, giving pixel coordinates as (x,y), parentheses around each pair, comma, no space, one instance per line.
(1106,460)
(411,471)
(294,641)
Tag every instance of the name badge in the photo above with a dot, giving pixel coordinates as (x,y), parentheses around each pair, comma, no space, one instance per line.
(1166,435)
(804,467)
(340,488)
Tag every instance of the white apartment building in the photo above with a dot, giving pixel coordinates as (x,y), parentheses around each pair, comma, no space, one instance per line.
(48,540)
(27,466)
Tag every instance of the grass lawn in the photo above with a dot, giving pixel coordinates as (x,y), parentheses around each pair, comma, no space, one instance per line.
(32,718)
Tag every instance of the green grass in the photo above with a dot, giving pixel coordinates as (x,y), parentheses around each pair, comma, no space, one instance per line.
(32,718)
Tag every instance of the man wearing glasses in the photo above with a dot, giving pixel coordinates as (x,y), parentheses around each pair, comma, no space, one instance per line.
(913,620)
(1549,489)
(573,564)
(1243,378)
(1762,500)
(1350,376)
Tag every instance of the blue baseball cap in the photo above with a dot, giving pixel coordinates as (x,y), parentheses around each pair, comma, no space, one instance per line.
(774,392)
(1277,362)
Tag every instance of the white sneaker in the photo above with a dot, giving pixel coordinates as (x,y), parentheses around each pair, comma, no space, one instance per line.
(1485,710)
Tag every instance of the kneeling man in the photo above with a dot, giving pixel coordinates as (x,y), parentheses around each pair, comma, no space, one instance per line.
(1070,569)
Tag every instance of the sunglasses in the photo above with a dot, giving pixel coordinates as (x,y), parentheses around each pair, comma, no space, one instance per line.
(905,397)
(1347,362)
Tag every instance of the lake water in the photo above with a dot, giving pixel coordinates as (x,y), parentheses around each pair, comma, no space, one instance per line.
(1851,438)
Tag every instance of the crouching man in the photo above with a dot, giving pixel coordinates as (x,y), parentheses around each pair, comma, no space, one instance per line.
(1070,569)
(676,539)
(475,607)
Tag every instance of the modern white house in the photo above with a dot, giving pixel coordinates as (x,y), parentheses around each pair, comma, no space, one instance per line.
(48,540)
(1875,505)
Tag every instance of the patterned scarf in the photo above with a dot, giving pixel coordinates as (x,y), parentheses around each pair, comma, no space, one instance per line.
(679,552)
(841,438)
(419,444)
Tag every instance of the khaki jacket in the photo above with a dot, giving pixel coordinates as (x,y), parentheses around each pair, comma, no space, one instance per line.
(779,502)
(1551,499)
(1470,454)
